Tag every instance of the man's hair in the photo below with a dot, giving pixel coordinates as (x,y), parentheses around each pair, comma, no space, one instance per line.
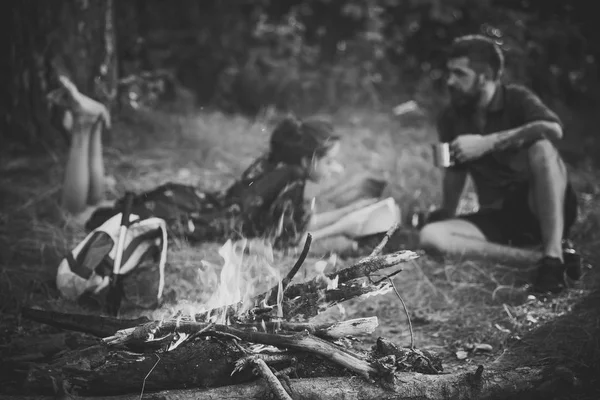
(483,53)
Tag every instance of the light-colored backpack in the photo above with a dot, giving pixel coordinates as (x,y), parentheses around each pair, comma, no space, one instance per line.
(89,266)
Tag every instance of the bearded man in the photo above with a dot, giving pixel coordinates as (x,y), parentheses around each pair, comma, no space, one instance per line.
(502,136)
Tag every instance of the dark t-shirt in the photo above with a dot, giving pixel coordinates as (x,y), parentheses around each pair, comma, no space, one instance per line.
(496,174)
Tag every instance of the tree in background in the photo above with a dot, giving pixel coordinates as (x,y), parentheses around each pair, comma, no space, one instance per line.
(75,37)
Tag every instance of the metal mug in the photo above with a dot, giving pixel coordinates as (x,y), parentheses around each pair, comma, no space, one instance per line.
(442,157)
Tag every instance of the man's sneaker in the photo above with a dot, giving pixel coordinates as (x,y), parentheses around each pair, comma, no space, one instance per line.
(572,260)
(573,264)
(550,276)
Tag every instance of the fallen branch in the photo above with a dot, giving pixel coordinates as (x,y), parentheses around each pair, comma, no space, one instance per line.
(337,330)
(104,370)
(368,265)
(362,269)
(98,326)
(524,382)
(311,303)
(300,341)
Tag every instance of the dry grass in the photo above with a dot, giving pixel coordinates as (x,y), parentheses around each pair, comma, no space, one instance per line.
(454,303)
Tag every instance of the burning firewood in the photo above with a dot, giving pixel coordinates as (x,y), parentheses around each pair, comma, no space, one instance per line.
(206,347)
(219,351)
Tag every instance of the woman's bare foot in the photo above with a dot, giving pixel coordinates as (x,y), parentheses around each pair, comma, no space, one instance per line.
(86,111)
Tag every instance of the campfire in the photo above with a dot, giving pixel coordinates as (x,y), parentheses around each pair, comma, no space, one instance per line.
(256,324)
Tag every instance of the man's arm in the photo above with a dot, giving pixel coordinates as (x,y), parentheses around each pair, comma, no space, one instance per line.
(452,188)
(525,135)
(537,121)
(472,147)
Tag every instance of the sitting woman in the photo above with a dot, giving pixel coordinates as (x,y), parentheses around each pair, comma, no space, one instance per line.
(267,201)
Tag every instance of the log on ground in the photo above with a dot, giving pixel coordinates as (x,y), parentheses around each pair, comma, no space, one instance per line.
(103,370)
(517,383)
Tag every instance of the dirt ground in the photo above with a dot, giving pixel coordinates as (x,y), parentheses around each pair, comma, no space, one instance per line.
(470,313)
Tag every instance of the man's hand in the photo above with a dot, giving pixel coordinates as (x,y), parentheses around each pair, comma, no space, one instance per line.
(470,147)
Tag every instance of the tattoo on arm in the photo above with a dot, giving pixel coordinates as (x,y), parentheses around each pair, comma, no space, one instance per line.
(526,134)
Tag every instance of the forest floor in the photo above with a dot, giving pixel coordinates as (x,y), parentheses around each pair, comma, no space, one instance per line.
(454,305)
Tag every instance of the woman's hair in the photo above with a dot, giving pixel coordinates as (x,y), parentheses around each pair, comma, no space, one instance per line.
(294,139)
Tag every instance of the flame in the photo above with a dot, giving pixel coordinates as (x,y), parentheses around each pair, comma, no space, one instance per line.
(320,268)
(247,271)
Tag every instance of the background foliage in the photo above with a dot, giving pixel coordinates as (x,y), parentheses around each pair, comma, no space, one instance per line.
(300,55)
(245,55)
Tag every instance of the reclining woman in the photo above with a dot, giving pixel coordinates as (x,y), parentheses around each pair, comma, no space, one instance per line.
(267,201)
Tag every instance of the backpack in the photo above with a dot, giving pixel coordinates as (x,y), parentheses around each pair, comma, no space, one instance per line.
(171,202)
(89,266)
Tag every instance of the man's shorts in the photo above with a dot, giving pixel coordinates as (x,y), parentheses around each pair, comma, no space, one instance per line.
(515,224)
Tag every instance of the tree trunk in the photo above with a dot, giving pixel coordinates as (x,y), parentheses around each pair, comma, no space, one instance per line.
(74,36)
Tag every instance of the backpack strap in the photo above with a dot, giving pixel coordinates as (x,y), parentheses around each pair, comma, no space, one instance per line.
(136,241)
(85,262)
(163,260)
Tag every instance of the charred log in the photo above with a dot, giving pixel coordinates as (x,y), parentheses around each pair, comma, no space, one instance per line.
(93,324)
(519,383)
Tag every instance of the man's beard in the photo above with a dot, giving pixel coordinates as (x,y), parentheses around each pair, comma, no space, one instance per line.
(466,101)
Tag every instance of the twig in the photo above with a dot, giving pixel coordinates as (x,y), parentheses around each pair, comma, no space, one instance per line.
(200,332)
(412,336)
(272,381)
(387,277)
(225,335)
(243,362)
(288,278)
(510,316)
(377,250)
(285,283)
(148,374)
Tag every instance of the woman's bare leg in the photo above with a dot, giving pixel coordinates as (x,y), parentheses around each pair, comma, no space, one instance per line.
(76,183)
(84,175)
(96,190)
